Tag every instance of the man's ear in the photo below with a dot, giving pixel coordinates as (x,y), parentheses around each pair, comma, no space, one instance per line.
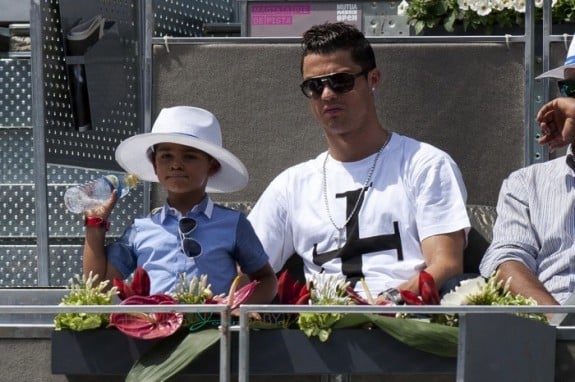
(374,78)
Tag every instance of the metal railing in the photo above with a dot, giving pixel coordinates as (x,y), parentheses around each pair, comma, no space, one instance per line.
(244,320)
(223,310)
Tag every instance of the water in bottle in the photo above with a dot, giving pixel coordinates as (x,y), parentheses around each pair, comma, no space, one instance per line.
(89,195)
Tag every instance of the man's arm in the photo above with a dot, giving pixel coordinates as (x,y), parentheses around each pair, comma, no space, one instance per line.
(267,288)
(515,247)
(524,282)
(443,255)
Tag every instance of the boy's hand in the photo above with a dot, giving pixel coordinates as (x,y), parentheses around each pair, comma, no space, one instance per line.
(104,210)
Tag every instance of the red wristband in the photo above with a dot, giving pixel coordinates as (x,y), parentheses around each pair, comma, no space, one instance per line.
(90,221)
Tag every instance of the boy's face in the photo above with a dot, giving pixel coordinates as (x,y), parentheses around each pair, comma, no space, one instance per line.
(182,169)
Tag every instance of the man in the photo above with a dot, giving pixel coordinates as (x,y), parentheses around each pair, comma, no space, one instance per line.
(565,77)
(533,234)
(376,206)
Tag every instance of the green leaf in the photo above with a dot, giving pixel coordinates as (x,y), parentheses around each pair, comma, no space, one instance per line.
(448,25)
(425,336)
(172,355)
(419,27)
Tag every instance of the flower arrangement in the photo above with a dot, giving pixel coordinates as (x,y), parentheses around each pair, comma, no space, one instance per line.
(182,339)
(435,333)
(486,14)
(479,291)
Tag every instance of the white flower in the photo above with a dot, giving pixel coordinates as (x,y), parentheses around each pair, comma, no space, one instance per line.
(463,4)
(519,5)
(402,8)
(498,5)
(328,289)
(507,4)
(538,3)
(463,291)
(473,4)
(483,7)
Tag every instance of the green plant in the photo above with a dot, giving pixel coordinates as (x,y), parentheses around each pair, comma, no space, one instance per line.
(85,291)
(324,290)
(485,14)
(479,291)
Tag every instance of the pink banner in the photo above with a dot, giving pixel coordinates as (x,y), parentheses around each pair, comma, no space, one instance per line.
(277,14)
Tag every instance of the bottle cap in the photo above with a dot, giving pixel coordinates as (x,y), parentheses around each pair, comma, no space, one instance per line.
(113,179)
(132,180)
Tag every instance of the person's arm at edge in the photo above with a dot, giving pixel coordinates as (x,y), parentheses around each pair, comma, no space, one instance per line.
(524,282)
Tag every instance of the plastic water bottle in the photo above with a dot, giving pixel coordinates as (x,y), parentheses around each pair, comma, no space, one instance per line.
(89,195)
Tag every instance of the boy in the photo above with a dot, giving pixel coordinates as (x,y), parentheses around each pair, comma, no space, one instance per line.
(189,234)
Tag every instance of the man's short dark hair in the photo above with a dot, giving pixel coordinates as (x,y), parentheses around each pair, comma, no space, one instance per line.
(330,37)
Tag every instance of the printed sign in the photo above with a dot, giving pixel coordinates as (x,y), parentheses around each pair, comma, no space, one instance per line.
(292,19)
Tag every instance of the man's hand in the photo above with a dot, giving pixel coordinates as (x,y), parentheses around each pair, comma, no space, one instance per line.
(557,122)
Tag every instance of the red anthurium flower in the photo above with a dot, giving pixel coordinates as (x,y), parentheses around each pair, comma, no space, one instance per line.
(290,291)
(410,298)
(428,294)
(140,285)
(358,300)
(235,297)
(427,289)
(124,289)
(147,325)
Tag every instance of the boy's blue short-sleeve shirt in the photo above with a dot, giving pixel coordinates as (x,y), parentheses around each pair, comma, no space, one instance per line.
(225,235)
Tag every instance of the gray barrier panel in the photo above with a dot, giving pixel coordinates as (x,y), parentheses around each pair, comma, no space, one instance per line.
(466,99)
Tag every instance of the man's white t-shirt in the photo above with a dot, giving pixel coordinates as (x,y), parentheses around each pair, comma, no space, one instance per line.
(416,191)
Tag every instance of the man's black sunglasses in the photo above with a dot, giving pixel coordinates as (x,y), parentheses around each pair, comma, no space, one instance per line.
(338,82)
(567,88)
(190,247)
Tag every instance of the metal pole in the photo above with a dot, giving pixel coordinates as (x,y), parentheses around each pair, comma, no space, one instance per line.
(225,346)
(146,28)
(533,151)
(39,132)
(244,346)
(461,347)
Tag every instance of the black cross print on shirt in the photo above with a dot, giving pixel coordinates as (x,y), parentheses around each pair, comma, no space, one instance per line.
(354,247)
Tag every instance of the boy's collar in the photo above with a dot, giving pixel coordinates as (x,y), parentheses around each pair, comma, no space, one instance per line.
(206,206)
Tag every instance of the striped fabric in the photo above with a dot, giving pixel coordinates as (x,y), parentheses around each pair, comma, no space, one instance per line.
(536,224)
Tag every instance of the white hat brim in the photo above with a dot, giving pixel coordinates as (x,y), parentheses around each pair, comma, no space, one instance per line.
(558,72)
(131,155)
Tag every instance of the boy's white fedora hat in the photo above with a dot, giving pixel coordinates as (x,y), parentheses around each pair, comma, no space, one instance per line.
(559,72)
(189,126)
